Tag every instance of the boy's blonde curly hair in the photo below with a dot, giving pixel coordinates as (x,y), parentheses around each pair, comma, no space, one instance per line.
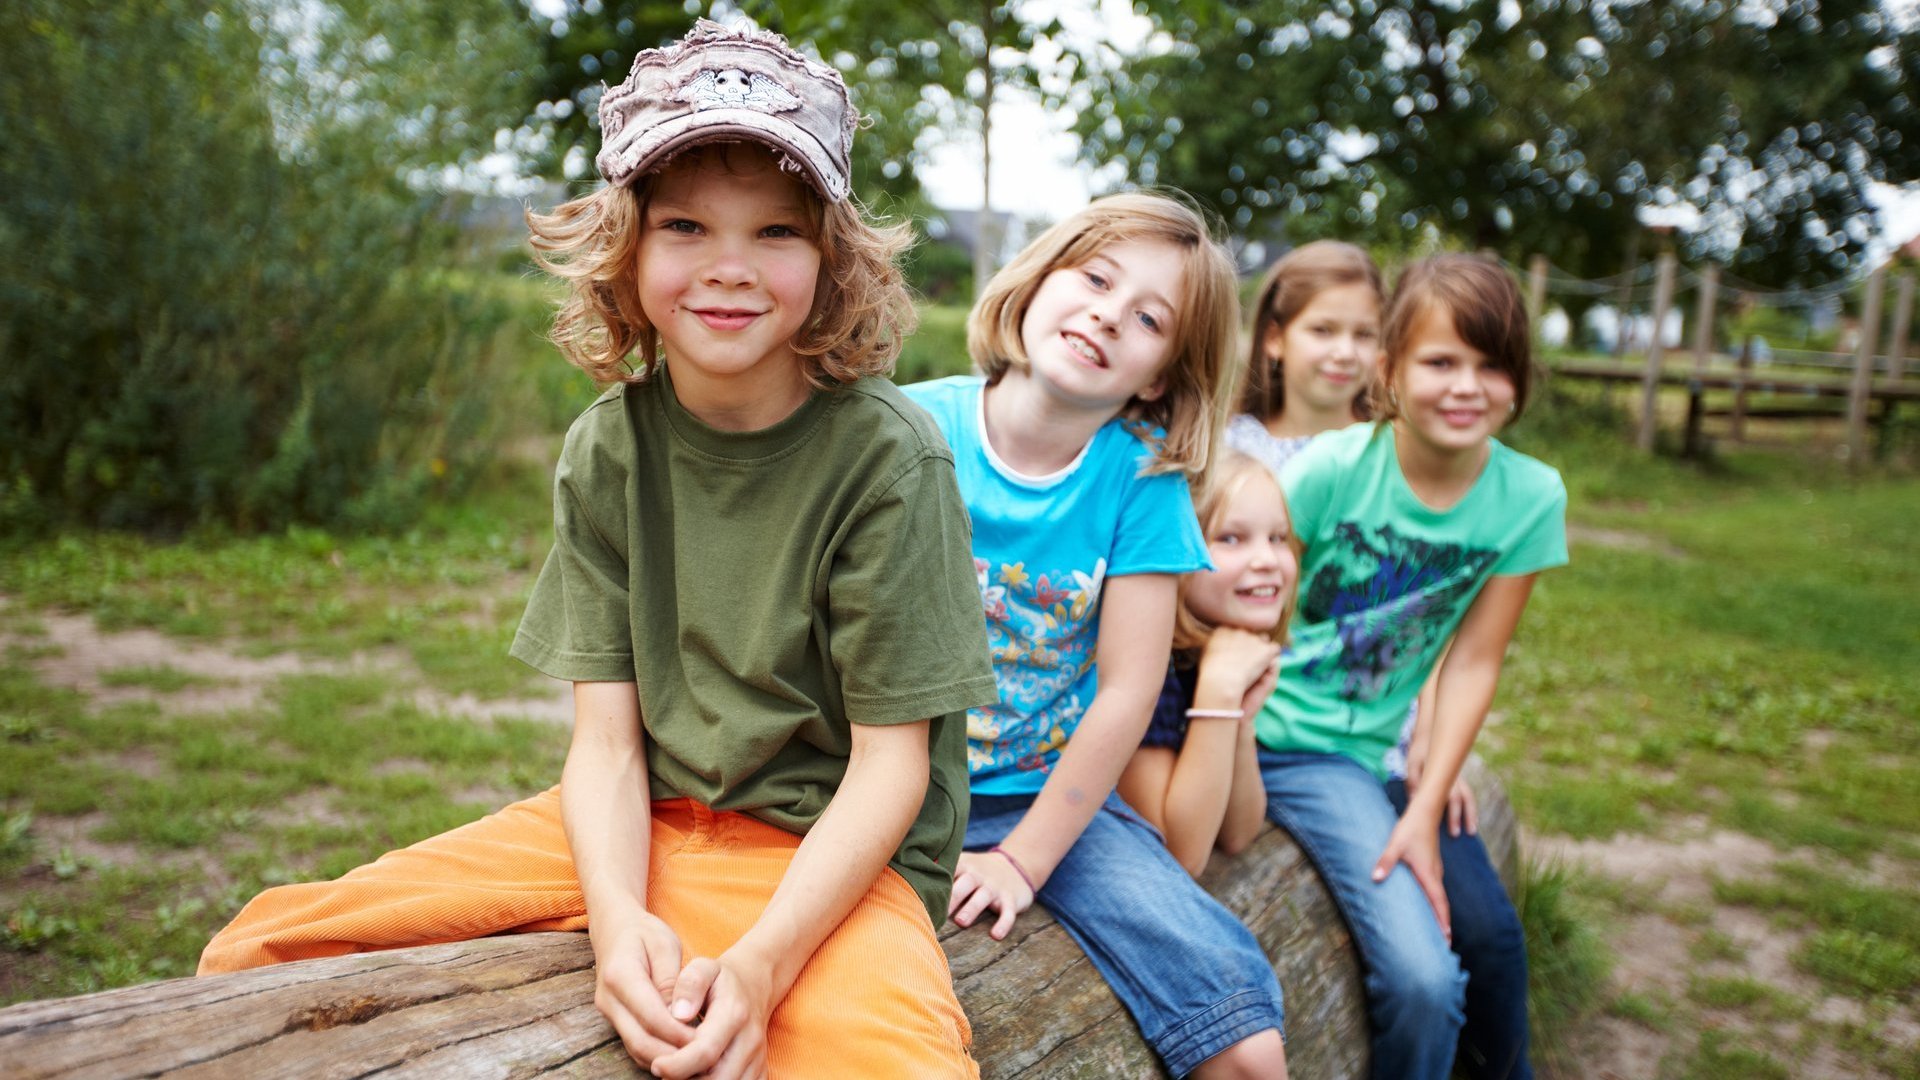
(862,310)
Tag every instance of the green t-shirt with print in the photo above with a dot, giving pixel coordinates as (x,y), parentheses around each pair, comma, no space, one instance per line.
(1386,580)
(765,590)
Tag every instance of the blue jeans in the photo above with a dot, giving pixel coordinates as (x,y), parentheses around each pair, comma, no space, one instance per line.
(1492,947)
(1195,980)
(1340,815)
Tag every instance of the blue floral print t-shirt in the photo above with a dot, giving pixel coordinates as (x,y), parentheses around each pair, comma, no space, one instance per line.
(1042,548)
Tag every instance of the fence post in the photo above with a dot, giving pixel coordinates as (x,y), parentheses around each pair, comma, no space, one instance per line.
(1623,299)
(1902,318)
(1656,350)
(1863,370)
(1703,317)
(1537,291)
(1740,390)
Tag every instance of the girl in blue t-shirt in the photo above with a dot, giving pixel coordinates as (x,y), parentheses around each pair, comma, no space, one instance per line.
(1105,347)
(1315,347)
(1416,529)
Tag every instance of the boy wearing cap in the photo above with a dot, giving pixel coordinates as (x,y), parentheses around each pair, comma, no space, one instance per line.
(761,586)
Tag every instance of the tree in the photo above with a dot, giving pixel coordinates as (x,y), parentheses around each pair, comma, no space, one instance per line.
(1541,126)
(224,297)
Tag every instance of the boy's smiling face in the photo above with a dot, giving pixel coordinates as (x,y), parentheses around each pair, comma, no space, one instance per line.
(728,267)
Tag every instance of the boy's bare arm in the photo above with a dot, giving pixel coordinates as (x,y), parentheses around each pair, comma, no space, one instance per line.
(836,864)
(605,806)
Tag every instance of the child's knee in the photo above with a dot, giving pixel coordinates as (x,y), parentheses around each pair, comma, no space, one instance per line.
(1261,1056)
(1422,983)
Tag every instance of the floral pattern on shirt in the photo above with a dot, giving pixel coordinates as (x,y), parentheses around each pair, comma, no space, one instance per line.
(1041,627)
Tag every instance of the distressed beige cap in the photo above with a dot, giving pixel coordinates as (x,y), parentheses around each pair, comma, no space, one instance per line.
(727,84)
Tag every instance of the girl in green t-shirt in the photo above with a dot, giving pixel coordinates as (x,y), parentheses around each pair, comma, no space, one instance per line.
(1416,529)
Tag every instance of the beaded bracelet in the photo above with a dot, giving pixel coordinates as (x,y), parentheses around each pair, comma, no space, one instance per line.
(1017,868)
(1215,714)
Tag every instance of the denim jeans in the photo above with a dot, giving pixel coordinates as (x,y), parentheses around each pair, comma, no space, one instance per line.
(1195,980)
(1340,815)
(1492,947)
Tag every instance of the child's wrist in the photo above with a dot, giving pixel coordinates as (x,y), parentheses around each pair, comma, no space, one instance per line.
(1212,697)
(1018,866)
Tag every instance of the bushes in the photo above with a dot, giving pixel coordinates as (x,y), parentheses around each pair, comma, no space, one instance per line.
(223,296)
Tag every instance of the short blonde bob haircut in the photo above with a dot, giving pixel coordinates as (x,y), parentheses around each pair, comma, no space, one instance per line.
(862,311)
(1233,471)
(1200,372)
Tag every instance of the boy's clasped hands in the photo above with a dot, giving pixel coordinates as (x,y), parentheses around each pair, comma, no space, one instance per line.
(706,1017)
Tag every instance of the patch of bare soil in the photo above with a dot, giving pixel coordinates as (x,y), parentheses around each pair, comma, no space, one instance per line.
(1678,871)
(237,683)
(1623,540)
(1654,956)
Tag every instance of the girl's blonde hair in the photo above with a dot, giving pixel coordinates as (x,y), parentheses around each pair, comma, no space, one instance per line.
(1199,374)
(1487,311)
(1290,285)
(862,311)
(1232,472)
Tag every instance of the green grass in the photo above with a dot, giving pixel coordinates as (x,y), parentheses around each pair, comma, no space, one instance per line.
(1861,963)
(1567,961)
(1753,639)
(331,772)
(1762,1001)
(1654,1011)
(937,349)
(163,678)
(308,590)
(1723,1055)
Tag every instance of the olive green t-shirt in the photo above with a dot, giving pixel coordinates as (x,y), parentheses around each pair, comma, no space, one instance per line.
(765,590)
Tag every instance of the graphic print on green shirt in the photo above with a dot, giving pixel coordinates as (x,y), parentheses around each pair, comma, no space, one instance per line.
(1386,580)
(765,590)
(1382,590)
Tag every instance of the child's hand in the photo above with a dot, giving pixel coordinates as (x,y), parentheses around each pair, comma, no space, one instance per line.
(1416,842)
(1238,665)
(986,879)
(732,997)
(636,961)
(1463,811)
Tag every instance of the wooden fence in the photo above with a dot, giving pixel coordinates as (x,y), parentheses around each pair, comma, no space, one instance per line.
(1871,374)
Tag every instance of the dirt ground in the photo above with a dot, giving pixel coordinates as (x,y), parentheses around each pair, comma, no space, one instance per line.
(1671,882)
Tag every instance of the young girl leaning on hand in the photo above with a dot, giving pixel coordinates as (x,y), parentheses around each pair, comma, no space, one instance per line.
(1416,529)
(1316,345)
(1105,347)
(760,587)
(1195,776)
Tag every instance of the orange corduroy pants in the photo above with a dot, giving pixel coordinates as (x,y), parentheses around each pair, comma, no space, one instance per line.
(876,999)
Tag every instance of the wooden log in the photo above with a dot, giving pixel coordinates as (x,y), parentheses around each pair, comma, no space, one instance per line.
(522,1005)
